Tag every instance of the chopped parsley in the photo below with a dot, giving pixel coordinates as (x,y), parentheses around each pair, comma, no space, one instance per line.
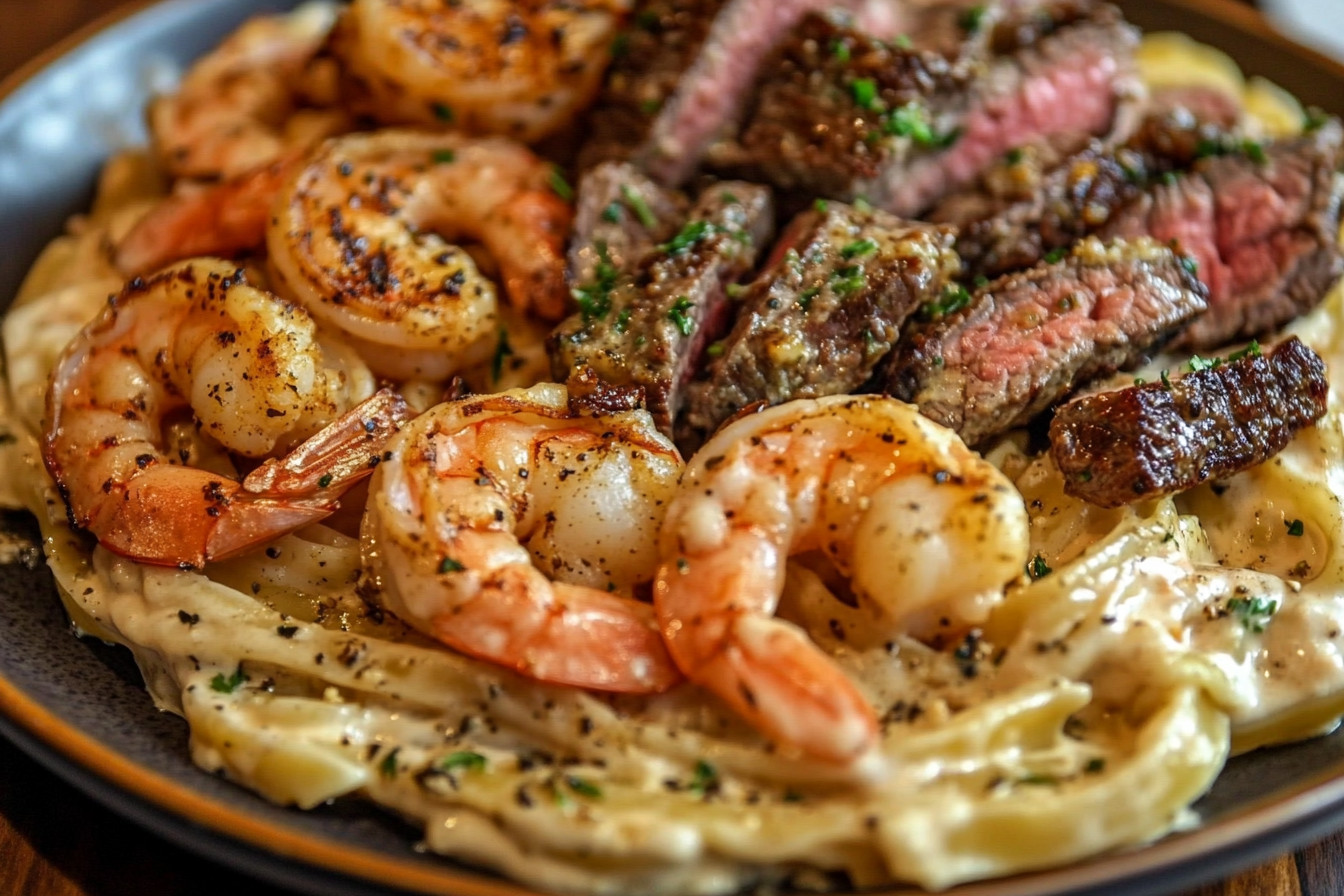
(1054,256)
(688,236)
(1295,528)
(1197,364)
(848,279)
(1252,350)
(902,41)
(839,51)
(1037,778)
(230,684)
(467,760)
(858,248)
(704,780)
(502,351)
(612,214)
(821,205)
(1013,156)
(677,314)
(1253,612)
(595,298)
(912,120)
(324,480)
(1037,567)
(444,156)
(971,20)
(583,787)
(954,298)
(715,349)
(388,767)
(641,208)
(623,320)
(1191,265)
(1166,380)
(443,112)
(559,185)
(1313,120)
(864,91)
(1095,766)
(806,296)
(448,564)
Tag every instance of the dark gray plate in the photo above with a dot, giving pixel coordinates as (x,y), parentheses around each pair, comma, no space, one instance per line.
(78,707)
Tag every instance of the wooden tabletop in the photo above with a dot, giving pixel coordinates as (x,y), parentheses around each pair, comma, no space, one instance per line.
(55,841)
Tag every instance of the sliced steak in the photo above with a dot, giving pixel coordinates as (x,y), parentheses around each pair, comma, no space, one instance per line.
(646,328)
(1146,441)
(840,114)
(680,76)
(825,310)
(624,213)
(1025,341)
(1263,222)
(1044,196)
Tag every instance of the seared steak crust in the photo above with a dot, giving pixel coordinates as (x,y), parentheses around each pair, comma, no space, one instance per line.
(646,327)
(1156,439)
(825,310)
(1026,340)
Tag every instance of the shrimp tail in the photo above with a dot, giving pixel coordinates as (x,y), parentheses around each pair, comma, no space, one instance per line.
(181,516)
(226,218)
(340,454)
(773,675)
(578,637)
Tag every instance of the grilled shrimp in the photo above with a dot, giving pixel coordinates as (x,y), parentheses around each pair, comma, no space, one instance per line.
(359,238)
(199,337)
(923,528)
(477,497)
(263,92)
(228,218)
(518,69)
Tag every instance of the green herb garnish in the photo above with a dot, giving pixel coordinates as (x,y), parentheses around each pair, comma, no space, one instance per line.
(1253,612)
(467,760)
(448,564)
(502,351)
(231,683)
(677,314)
(1295,528)
(639,207)
(859,248)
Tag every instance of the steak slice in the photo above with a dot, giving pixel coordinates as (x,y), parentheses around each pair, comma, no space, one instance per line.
(1146,441)
(840,114)
(1262,219)
(625,213)
(825,310)
(1025,341)
(1043,196)
(646,328)
(680,76)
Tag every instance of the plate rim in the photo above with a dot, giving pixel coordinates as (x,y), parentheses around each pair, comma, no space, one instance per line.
(1284,819)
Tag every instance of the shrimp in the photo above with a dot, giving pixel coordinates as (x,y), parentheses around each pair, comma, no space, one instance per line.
(518,69)
(923,528)
(263,92)
(199,337)
(227,218)
(478,496)
(359,238)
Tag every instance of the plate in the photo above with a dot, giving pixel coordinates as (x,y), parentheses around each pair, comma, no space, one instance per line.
(77,706)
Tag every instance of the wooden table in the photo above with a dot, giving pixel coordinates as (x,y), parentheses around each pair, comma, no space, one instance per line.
(54,841)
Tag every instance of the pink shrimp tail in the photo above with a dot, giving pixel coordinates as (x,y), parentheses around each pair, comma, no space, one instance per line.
(225,219)
(580,637)
(181,516)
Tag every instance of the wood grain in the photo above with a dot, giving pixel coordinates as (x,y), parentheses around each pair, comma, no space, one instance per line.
(55,841)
